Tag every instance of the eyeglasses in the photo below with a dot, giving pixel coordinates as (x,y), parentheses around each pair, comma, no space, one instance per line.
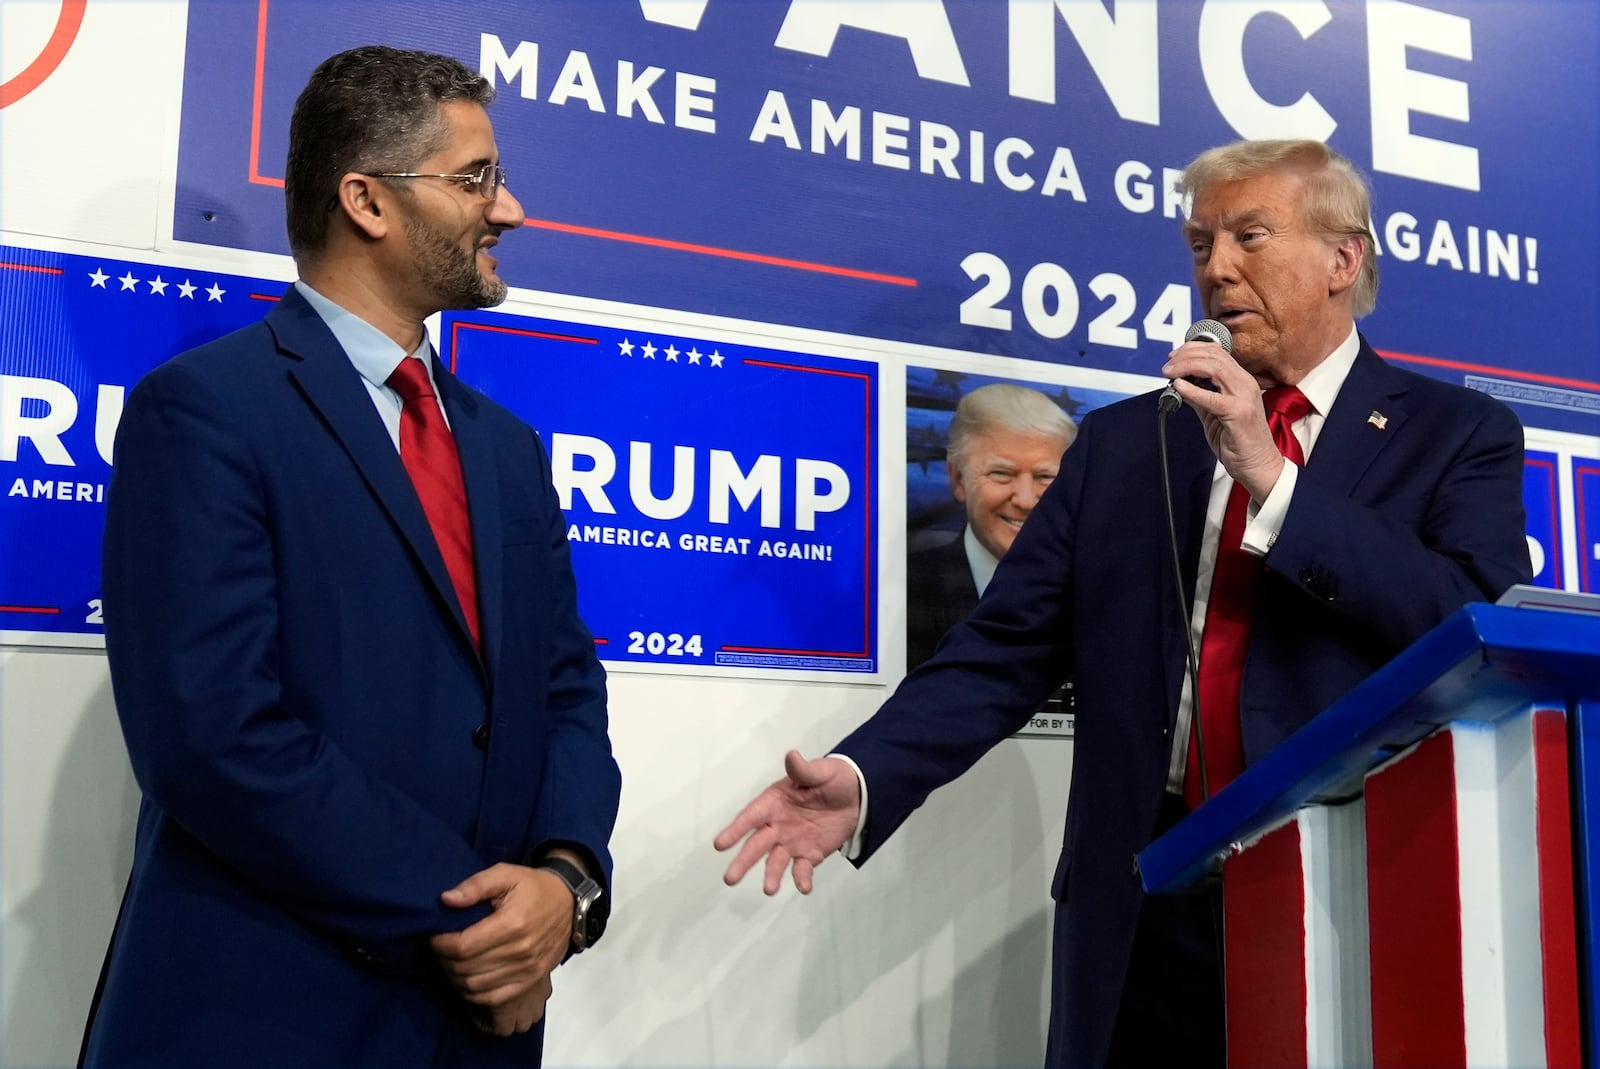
(487,181)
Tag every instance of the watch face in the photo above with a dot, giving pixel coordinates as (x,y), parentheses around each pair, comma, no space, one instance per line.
(594,918)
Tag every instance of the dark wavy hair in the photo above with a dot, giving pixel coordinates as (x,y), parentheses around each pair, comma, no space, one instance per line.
(373,108)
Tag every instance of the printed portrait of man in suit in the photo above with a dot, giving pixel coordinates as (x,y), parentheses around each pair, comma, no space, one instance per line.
(999,450)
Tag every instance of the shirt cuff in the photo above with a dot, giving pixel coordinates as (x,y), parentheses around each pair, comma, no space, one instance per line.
(852,847)
(1263,524)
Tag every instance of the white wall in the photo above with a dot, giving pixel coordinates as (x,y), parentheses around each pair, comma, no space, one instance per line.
(934,954)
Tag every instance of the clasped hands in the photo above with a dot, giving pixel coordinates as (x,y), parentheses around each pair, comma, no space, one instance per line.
(502,964)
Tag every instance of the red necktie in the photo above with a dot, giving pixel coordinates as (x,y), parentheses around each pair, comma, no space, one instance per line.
(429,454)
(1227,628)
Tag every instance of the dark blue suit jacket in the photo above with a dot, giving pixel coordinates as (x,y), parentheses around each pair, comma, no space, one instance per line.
(1390,530)
(939,594)
(320,747)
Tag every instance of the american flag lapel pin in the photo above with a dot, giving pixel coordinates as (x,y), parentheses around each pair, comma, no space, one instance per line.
(1378,419)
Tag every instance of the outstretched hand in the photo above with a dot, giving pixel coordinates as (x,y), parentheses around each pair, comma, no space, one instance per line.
(798,822)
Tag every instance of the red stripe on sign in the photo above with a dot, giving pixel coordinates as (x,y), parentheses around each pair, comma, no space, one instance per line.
(1414,910)
(714,250)
(30,267)
(1558,933)
(1264,940)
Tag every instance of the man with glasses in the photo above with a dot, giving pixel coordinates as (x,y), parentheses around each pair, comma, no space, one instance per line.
(368,724)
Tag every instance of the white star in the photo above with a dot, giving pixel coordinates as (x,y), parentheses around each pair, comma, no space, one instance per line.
(625,347)
(98,278)
(672,353)
(649,350)
(694,356)
(186,289)
(214,292)
(158,287)
(128,282)
(716,358)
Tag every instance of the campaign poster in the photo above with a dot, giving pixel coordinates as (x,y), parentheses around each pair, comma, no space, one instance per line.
(980,175)
(76,332)
(719,494)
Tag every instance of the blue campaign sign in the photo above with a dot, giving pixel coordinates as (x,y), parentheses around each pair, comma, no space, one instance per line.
(720,497)
(1541,499)
(986,176)
(76,332)
(1586,485)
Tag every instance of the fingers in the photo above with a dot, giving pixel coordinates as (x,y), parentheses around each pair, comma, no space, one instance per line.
(528,930)
(752,816)
(492,931)
(514,1011)
(803,773)
(802,871)
(767,806)
(490,985)
(754,847)
(483,886)
(777,864)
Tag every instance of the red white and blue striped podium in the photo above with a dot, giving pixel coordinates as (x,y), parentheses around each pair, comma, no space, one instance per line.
(1409,880)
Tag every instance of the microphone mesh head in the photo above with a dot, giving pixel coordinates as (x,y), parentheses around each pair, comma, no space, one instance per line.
(1211,330)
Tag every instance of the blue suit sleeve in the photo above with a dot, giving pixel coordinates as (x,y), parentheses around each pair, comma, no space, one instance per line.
(581,784)
(1396,574)
(989,674)
(191,618)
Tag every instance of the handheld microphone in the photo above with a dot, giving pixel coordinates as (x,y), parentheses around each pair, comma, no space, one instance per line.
(1205,330)
(1217,334)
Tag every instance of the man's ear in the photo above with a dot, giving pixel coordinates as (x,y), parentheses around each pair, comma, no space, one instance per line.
(1345,259)
(953,470)
(366,203)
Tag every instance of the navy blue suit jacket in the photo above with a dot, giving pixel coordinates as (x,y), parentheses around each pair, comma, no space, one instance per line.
(939,594)
(320,748)
(1391,528)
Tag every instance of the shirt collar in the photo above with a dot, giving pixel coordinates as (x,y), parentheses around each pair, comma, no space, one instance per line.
(374,353)
(1322,383)
(979,559)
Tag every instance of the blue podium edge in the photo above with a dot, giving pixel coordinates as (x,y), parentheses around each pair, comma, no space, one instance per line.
(1483,662)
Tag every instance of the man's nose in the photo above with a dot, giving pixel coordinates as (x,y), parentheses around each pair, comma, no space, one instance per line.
(1222,263)
(1025,493)
(505,210)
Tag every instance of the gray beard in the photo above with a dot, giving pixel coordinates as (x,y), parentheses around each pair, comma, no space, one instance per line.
(448,270)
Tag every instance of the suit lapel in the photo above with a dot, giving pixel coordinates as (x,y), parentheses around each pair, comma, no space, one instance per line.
(335,389)
(481,475)
(1365,418)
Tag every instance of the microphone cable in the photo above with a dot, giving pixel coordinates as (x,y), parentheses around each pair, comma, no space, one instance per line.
(1169,402)
(1208,330)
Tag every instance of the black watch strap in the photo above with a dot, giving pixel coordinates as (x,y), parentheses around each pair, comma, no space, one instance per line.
(590,908)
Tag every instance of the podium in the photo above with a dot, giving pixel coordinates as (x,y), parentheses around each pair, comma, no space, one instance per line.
(1411,879)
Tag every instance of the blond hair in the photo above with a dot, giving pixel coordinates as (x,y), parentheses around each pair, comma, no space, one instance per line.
(1336,201)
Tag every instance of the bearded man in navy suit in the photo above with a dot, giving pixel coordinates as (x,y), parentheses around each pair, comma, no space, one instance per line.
(1405,504)
(367,722)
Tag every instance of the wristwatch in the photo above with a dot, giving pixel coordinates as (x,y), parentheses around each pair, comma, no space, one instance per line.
(591,906)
